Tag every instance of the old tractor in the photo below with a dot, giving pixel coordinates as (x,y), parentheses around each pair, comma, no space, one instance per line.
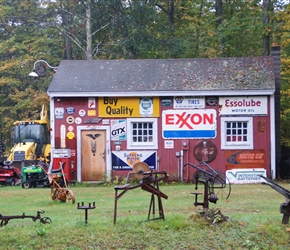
(31,140)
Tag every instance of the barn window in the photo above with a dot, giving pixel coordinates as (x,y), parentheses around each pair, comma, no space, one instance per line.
(142,133)
(237,133)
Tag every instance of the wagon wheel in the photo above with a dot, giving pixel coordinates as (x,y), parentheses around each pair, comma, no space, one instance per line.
(54,194)
(70,196)
(221,186)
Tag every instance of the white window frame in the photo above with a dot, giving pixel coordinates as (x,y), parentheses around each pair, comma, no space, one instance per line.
(237,145)
(142,145)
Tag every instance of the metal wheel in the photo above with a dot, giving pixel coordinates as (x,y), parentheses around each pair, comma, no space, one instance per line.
(26,184)
(54,194)
(221,186)
(70,196)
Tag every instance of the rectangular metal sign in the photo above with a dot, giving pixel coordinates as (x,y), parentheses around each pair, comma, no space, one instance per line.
(198,124)
(185,102)
(125,160)
(243,105)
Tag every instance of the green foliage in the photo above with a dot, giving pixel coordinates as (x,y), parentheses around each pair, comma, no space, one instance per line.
(56,30)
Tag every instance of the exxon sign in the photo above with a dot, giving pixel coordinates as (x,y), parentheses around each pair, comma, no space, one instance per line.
(193,124)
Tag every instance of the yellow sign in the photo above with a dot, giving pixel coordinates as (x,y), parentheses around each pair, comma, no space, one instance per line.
(128,107)
(92,112)
(70,135)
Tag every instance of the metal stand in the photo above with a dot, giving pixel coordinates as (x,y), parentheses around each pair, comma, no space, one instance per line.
(149,183)
(86,208)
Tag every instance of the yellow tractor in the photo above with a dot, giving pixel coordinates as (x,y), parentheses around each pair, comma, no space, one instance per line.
(31,140)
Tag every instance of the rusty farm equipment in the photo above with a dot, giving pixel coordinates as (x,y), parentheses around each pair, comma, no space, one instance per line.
(143,177)
(215,184)
(284,207)
(44,220)
(59,187)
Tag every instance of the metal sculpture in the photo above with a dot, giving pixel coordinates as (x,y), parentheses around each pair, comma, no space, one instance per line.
(215,184)
(86,208)
(5,219)
(147,180)
(284,207)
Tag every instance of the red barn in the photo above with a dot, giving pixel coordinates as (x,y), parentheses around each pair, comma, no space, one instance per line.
(106,115)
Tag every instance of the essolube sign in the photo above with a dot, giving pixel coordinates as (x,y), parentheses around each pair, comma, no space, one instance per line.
(189,123)
(254,105)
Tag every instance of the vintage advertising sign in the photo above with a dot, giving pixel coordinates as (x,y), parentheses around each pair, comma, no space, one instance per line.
(59,113)
(245,159)
(128,106)
(186,102)
(243,176)
(118,130)
(91,103)
(253,105)
(125,160)
(189,124)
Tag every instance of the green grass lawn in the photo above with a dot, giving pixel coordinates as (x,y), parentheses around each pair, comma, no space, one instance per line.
(253,211)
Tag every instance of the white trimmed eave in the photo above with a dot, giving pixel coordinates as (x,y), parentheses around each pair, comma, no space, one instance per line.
(165,93)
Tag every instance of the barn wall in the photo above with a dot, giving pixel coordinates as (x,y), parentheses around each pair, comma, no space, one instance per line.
(171,154)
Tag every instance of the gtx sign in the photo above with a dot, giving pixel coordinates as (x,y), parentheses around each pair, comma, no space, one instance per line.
(197,124)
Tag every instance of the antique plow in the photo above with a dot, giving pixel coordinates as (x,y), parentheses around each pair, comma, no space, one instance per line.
(147,180)
(44,220)
(215,184)
(284,207)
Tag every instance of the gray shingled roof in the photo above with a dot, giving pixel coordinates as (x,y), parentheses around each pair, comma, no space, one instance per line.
(198,74)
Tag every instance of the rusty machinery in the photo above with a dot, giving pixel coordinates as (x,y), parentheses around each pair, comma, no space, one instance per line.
(44,220)
(215,183)
(142,177)
(284,207)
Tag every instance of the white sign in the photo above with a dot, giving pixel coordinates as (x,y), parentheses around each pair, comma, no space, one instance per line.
(246,175)
(91,103)
(253,105)
(199,123)
(118,130)
(184,102)
(168,144)
(146,106)
(59,113)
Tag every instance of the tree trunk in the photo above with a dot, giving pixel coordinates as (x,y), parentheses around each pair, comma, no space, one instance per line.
(218,12)
(267,7)
(89,30)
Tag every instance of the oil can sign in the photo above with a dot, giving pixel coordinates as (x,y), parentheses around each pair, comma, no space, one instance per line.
(125,160)
(197,124)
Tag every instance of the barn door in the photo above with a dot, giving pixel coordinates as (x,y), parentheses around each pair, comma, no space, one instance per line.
(93,155)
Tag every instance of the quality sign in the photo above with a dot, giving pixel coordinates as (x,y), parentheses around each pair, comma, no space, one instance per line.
(192,124)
